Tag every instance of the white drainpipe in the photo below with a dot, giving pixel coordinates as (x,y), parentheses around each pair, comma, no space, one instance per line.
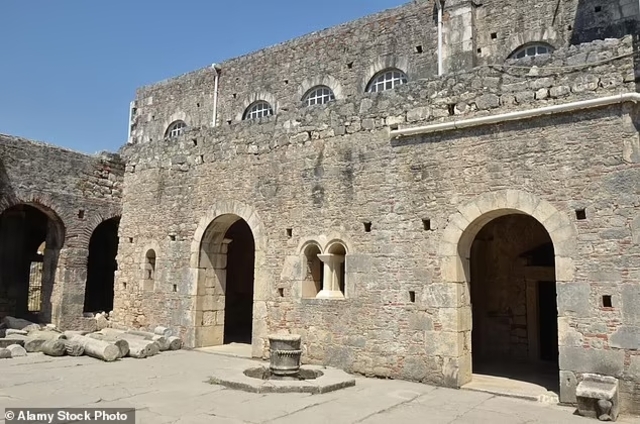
(440,5)
(515,116)
(131,106)
(215,95)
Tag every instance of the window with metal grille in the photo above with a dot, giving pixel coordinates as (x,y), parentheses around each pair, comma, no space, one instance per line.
(258,109)
(531,50)
(35,287)
(387,80)
(318,96)
(176,129)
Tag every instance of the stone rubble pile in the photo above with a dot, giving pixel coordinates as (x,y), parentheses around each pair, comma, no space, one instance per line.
(19,337)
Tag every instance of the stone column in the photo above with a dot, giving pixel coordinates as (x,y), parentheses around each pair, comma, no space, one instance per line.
(331,282)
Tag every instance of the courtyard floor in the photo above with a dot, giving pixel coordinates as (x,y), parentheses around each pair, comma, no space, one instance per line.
(172,388)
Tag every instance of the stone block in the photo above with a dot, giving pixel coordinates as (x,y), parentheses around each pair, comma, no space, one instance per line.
(559,91)
(626,338)
(597,397)
(630,295)
(443,295)
(568,386)
(444,343)
(573,299)
(487,101)
(587,360)
(358,263)
(418,114)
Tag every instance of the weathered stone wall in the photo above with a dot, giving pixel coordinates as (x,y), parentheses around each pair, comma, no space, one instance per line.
(77,192)
(324,171)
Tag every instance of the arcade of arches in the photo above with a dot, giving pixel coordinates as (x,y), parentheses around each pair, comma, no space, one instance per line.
(513,297)
(224,305)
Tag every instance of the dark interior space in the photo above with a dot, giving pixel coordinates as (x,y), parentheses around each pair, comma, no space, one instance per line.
(239,284)
(513,295)
(101,267)
(23,236)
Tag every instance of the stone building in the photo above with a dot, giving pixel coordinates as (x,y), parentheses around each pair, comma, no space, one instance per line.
(386,186)
(59,216)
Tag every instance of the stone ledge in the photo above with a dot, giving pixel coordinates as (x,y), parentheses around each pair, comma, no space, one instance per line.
(331,380)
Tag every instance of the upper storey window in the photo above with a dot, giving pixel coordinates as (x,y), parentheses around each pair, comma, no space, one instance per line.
(531,50)
(386,80)
(318,96)
(258,109)
(176,129)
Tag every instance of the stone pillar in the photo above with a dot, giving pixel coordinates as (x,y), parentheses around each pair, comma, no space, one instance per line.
(331,278)
(458,30)
(14,278)
(64,297)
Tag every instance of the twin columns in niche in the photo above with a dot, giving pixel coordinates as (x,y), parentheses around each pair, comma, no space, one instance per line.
(325,271)
(332,277)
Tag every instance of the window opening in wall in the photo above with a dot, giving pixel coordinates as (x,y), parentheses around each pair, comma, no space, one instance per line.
(598,9)
(426,224)
(367,227)
(149,270)
(338,250)
(130,239)
(172,237)
(259,109)
(312,283)
(479,50)
(419,49)
(101,267)
(531,50)
(35,280)
(606,301)
(581,214)
(494,35)
(176,129)
(412,296)
(318,96)
(387,80)
(289,232)
(81,214)
(281,292)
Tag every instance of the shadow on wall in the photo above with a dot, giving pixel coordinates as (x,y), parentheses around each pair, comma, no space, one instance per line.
(7,196)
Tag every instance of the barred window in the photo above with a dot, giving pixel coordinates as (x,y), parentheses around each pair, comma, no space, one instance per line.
(531,50)
(387,80)
(258,109)
(318,96)
(176,129)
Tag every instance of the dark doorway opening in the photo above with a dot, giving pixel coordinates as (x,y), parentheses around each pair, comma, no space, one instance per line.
(238,313)
(101,267)
(513,296)
(30,240)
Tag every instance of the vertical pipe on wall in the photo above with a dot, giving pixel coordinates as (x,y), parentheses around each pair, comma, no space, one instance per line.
(440,4)
(215,95)
(131,106)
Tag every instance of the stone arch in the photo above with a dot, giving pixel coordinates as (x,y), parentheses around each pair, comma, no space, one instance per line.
(386,62)
(254,97)
(223,214)
(92,223)
(58,215)
(326,80)
(176,116)
(455,250)
(543,35)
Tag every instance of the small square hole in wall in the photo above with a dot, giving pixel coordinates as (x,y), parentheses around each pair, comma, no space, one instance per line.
(452,109)
(581,214)
(130,239)
(133,169)
(494,35)
(350,65)
(419,49)
(281,292)
(289,232)
(286,81)
(412,296)
(197,104)
(202,158)
(606,301)
(367,227)
(570,27)
(175,288)
(172,237)
(598,9)
(195,142)
(81,214)
(124,286)
(479,50)
(235,95)
(394,127)
(426,224)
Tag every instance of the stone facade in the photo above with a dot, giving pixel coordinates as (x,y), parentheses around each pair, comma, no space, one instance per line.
(76,193)
(376,219)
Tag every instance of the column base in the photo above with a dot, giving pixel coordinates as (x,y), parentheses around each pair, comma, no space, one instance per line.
(330,294)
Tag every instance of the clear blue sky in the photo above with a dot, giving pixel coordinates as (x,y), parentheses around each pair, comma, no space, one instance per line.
(69,68)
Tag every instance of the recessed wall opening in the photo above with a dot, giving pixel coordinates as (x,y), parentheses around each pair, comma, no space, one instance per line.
(598,9)
(339,250)
(350,65)
(606,301)
(224,305)
(367,227)
(289,232)
(451,108)
(412,296)
(175,288)
(494,35)
(581,214)
(149,270)
(513,297)
(30,240)
(314,272)
(419,49)
(81,214)
(281,292)
(426,224)
(101,267)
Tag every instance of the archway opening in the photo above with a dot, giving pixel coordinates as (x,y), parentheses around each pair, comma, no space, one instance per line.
(101,267)
(513,297)
(30,242)
(224,309)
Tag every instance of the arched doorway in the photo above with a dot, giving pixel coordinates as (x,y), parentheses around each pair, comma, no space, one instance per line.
(101,267)
(30,240)
(224,305)
(513,298)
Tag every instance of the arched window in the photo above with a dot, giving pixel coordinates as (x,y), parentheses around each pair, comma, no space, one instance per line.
(258,109)
(318,95)
(386,80)
(176,129)
(339,251)
(149,270)
(531,50)
(312,284)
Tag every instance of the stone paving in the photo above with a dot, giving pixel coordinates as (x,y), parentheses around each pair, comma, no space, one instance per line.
(172,388)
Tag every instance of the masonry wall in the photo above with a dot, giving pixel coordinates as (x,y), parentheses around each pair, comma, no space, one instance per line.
(324,171)
(77,192)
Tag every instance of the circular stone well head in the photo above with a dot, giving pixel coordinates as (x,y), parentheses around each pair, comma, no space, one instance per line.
(284,341)
(263,373)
